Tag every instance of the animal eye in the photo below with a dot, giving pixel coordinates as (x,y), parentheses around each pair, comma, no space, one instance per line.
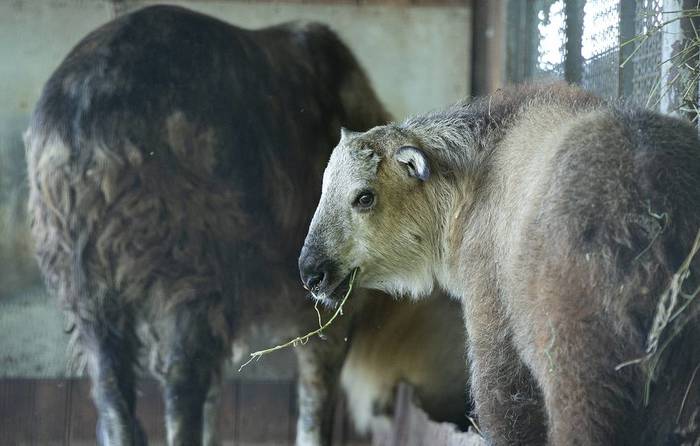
(364,200)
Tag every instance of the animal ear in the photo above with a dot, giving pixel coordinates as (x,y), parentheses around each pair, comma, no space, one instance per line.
(415,161)
(345,133)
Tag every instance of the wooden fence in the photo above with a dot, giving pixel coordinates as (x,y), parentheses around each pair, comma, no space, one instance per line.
(59,412)
(410,426)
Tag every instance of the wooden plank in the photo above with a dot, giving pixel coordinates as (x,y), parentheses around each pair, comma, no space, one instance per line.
(82,413)
(262,413)
(150,409)
(50,418)
(402,416)
(411,426)
(227,413)
(16,412)
(53,412)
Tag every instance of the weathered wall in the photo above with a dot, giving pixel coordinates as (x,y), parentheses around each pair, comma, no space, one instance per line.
(417,57)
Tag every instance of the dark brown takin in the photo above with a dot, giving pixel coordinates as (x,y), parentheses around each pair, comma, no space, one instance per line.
(174,161)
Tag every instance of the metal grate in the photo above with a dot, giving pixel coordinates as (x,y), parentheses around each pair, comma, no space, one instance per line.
(551,39)
(599,47)
(647,59)
(619,48)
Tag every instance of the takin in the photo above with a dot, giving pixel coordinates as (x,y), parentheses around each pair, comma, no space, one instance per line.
(173,162)
(566,226)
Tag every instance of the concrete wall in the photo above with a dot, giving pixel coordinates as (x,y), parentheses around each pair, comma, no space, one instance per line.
(34,37)
(417,57)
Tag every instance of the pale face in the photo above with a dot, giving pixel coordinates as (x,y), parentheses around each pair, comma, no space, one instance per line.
(374,214)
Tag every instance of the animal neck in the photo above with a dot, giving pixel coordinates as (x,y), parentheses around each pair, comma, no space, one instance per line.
(458,142)
(451,150)
(453,198)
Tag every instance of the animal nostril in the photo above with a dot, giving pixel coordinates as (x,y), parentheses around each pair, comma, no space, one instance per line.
(314,269)
(313,280)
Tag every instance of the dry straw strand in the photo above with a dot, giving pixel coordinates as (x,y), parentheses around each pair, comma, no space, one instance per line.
(304,339)
(672,303)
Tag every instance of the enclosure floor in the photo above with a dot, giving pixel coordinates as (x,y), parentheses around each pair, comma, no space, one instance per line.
(60,412)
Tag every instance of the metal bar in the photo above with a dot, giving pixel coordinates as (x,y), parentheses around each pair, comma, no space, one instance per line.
(402,414)
(489,46)
(628,11)
(691,34)
(672,41)
(515,25)
(573,60)
(530,38)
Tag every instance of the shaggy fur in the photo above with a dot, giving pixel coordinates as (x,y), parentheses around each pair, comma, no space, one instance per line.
(173,162)
(559,221)
(412,342)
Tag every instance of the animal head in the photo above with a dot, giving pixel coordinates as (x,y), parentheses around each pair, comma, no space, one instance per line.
(376,214)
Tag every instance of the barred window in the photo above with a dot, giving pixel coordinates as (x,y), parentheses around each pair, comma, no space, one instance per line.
(644,51)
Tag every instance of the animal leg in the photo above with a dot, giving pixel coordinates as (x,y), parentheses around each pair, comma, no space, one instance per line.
(588,401)
(320,362)
(193,357)
(211,412)
(111,353)
(507,401)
